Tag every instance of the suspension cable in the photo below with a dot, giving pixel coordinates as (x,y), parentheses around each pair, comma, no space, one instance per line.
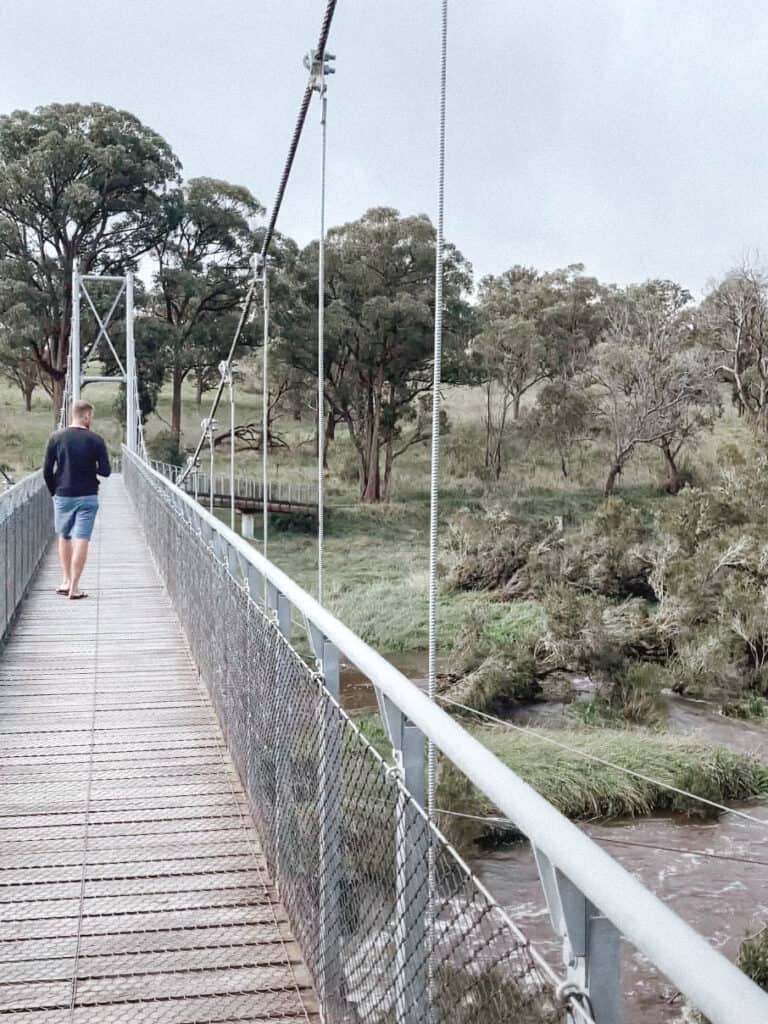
(265,416)
(435,458)
(668,786)
(321,337)
(261,259)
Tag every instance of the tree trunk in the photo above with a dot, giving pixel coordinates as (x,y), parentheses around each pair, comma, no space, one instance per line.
(199,391)
(58,399)
(372,489)
(516,407)
(563,466)
(177,379)
(674,481)
(610,483)
(330,435)
(389,458)
(27,392)
(488,425)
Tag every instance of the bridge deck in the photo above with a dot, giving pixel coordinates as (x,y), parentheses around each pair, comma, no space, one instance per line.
(132,885)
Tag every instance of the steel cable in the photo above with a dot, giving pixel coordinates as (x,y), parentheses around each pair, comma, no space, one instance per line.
(321,340)
(434,481)
(435,454)
(325,28)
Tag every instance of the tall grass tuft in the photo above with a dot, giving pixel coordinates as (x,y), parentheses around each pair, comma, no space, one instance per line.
(581,789)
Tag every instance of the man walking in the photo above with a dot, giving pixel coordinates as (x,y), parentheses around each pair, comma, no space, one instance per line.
(73,458)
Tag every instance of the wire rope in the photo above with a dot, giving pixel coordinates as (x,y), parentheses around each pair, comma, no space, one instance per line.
(668,786)
(662,847)
(261,261)
(265,416)
(321,337)
(436,382)
(434,480)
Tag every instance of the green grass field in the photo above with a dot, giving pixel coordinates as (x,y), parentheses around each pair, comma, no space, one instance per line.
(376,557)
(376,570)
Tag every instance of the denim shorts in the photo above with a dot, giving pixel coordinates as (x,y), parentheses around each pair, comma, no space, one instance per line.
(74,517)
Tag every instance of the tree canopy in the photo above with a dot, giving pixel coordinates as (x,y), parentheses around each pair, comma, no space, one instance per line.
(202,267)
(649,381)
(379,330)
(77,182)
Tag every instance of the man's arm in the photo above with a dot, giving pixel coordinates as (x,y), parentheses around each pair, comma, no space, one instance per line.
(103,467)
(49,465)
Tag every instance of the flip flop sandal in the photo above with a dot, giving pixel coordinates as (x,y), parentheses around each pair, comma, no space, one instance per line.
(62,590)
(77,597)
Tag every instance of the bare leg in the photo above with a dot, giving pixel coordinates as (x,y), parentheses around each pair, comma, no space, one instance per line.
(65,560)
(79,555)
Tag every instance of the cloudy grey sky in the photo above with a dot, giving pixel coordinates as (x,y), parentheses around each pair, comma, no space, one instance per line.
(628,135)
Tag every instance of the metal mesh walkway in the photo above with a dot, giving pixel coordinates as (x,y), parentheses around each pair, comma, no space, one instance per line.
(132,884)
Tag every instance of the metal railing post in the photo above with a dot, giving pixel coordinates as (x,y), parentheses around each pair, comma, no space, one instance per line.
(330,867)
(411,871)
(591,943)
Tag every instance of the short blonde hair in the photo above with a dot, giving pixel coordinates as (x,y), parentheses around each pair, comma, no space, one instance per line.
(80,407)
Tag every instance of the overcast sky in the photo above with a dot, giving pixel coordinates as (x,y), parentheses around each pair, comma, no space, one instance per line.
(629,135)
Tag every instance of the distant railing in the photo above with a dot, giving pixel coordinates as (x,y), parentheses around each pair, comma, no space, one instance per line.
(248,490)
(26,527)
(392,924)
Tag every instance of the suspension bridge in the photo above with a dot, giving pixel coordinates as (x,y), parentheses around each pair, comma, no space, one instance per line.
(191,827)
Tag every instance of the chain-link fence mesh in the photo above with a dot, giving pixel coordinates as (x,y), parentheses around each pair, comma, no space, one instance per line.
(346,845)
(26,527)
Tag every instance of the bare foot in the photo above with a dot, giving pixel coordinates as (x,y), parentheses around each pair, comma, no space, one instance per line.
(64,588)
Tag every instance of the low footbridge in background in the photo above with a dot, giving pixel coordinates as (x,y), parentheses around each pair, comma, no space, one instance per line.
(192,829)
(284,497)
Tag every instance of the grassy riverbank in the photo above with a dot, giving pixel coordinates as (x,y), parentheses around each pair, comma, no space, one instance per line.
(564,766)
(584,789)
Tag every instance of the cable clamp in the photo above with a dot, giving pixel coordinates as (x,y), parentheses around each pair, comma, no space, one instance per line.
(319,65)
(569,993)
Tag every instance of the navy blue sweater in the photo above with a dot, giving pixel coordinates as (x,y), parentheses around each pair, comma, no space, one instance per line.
(72,459)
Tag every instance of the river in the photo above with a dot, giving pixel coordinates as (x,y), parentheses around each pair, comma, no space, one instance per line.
(714,874)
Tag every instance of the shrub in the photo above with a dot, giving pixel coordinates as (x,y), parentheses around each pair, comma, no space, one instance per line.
(490,551)
(606,556)
(497,657)
(499,683)
(164,447)
(463,453)
(753,957)
(703,666)
(754,707)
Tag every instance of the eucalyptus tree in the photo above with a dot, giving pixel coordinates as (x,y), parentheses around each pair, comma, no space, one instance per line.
(201,270)
(650,382)
(19,367)
(534,327)
(733,321)
(77,183)
(379,332)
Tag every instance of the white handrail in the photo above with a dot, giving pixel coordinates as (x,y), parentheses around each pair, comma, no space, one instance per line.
(17,493)
(712,983)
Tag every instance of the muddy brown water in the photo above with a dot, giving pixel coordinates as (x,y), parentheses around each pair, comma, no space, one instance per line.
(714,874)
